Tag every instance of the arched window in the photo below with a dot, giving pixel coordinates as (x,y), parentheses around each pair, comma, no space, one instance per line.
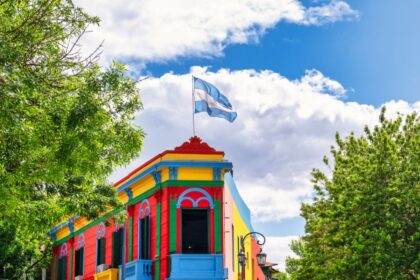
(80,255)
(144,230)
(100,244)
(195,206)
(62,263)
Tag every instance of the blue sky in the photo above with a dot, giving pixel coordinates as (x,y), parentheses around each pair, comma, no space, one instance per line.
(377,56)
(296,72)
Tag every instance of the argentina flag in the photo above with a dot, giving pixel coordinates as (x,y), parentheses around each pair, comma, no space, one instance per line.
(207,98)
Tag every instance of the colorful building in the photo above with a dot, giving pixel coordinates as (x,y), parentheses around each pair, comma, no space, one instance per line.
(185,221)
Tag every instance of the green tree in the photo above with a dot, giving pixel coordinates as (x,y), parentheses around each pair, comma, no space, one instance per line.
(281,276)
(364,222)
(65,124)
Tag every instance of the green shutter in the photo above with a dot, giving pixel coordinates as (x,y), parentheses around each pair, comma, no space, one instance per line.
(148,238)
(117,246)
(101,251)
(62,265)
(121,232)
(145,238)
(82,261)
(79,261)
(114,249)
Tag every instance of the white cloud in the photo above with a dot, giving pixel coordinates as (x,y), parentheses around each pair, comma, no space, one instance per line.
(283,129)
(332,12)
(157,30)
(278,249)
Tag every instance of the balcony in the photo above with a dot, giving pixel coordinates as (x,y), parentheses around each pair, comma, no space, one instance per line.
(138,269)
(109,274)
(199,267)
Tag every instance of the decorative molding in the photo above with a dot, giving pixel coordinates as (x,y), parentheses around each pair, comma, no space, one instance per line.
(71,227)
(62,225)
(173,173)
(157,176)
(174,163)
(129,193)
(217,174)
(101,231)
(118,226)
(80,241)
(53,236)
(184,196)
(64,251)
(144,209)
(196,146)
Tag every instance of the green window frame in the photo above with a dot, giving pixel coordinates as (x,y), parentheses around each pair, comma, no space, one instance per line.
(117,247)
(80,259)
(62,268)
(145,237)
(100,249)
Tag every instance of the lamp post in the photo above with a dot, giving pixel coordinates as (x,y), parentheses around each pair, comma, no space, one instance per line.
(261,257)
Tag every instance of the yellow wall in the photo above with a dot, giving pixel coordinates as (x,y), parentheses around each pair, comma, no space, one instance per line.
(187,173)
(143,185)
(62,233)
(193,157)
(241,230)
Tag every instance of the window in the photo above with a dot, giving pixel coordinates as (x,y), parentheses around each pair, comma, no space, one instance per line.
(100,249)
(80,253)
(145,237)
(100,244)
(195,231)
(117,247)
(144,230)
(62,263)
(62,268)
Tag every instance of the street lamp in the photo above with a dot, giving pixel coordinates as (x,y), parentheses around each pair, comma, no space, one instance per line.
(261,257)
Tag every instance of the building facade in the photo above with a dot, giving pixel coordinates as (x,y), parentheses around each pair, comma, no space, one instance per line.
(185,221)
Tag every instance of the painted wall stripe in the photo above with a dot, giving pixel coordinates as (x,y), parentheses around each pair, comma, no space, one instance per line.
(239,202)
(172,226)
(217,228)
(158,213)
(130,239)
(161,164)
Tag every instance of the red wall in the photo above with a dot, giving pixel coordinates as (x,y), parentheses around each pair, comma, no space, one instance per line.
(255,249)
(133,211)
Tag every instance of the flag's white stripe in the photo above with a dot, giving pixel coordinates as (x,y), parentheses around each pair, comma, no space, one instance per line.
(202,95)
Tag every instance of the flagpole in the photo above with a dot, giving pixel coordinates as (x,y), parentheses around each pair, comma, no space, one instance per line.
(193,103)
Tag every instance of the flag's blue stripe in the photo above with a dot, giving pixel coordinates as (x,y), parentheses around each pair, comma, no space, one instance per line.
(212,91)
(202,106)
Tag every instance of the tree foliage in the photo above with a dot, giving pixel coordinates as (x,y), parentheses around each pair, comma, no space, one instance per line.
(65,124)
(364,222)
(281,276)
